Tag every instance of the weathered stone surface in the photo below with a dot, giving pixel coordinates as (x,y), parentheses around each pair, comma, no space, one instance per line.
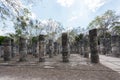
(55,48)
(35,49)
(22,49)
(115,43)
(13,51)
(81,47)
(59,49)
(42,48)
(105,46)
(7,49)
(51,48)
(1,51)
(65,50)
(86,51)
(93,46)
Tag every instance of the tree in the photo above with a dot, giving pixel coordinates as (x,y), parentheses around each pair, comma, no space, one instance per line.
(116,28)
(23,27)
(22,24)
(53,28)
(75,32)
(2,39)
(72,35)
(79,37)
(13,7)
(10,9)
(105,21)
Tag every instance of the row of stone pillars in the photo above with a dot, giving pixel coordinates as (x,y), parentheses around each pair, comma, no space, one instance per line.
(9,49)
(81,47)
(42,48)
(88,44)
(93,41)
(110,46)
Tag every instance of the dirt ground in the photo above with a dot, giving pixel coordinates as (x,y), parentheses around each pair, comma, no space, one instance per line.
(53,69)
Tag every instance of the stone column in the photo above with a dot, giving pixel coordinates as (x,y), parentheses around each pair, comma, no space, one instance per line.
(115,42)
(7,49)
(23,49)
(0,51)
(47,49)
(55,48)
(86,52)
(12,48)
(50,44)
(81,47)
(102,46)
(65,50)
(35,49)
(58,48)
(108,50)
(93,46)
(78,47)
(42,48)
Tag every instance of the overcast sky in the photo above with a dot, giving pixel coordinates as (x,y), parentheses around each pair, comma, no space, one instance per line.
(72,13)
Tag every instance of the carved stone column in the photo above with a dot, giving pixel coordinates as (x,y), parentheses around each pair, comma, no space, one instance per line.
(65,50)
(13,48)
(115,43)
(55,48)
(86,52)
(93,46)
(42,48)
(50,44)
(23,49)
(7,49)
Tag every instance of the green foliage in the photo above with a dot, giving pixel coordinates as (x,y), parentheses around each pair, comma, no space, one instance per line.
(106,20)
(22,23)
(116,29)
(2,39)
(79,37)
(107,35)
(34,39)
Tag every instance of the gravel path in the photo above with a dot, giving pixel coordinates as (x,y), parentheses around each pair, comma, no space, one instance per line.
(111,62)
(77,69)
